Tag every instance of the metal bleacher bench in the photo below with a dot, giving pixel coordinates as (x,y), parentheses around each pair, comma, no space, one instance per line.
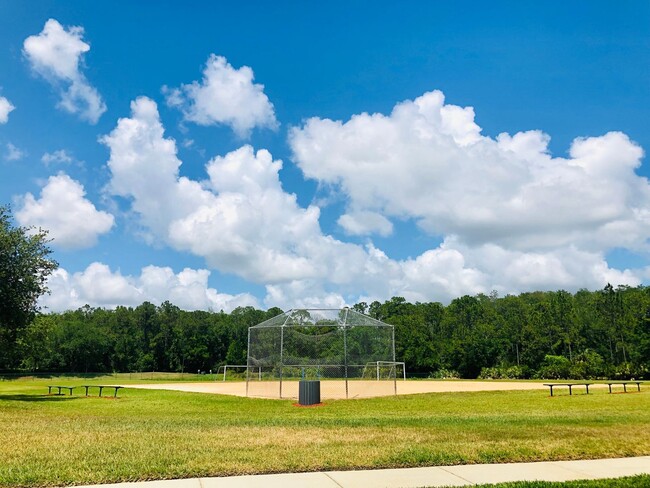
(624,383)
(87,387)
(587,385)
(69,388)
(101,387)
(570,385)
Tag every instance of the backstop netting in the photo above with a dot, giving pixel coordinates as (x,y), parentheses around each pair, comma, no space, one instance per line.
(349,352)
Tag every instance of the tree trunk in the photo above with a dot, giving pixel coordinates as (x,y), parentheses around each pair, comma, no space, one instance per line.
(517,348)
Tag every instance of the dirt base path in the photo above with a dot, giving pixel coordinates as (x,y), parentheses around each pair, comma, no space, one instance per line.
(335,389)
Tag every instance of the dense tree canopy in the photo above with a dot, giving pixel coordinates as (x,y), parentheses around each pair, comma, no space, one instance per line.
(588,334)
(24,268)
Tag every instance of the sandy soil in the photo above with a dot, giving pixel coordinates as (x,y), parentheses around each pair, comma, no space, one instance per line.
(356,388)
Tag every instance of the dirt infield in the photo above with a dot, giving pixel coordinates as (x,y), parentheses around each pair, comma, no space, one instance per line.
(335,389)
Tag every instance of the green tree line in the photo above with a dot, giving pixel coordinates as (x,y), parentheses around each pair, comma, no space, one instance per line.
(604,333)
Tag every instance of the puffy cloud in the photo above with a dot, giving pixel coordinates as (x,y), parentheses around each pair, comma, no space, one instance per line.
(364,222)
(189,290)
(514,217)
(98,286)
(56,55)
(5,108)
(248,225)
(144,167)
(302,294)
(428,161)
(72,220)
(452,270)
(242,221)
(456,269)
(225,96)
(13,153)
(58,157)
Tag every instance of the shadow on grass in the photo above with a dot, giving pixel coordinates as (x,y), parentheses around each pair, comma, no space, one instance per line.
(38,398)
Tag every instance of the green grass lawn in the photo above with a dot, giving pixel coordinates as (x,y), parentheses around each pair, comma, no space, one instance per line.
(642,481)
(147,434)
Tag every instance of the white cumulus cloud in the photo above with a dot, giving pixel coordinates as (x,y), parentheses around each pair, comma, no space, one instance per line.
(5,108)
(144,167)
(429,162)
(454,269)
(60,156)
(365,222)
(56,54)
(14,153)
(225,96)
(72,220)
(241,221)
(99,286)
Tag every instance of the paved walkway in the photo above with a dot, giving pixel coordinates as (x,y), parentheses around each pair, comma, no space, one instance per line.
(465,475)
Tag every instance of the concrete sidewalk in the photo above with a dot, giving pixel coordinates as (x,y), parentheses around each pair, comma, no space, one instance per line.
(465,475)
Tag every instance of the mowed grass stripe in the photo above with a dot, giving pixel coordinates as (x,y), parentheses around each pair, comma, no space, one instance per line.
(149,434)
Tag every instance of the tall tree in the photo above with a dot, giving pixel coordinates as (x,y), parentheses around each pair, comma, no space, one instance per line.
(25,265)
(611,308)
(564,320)
(512,311)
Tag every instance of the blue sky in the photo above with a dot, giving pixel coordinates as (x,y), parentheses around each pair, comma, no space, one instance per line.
(427,149)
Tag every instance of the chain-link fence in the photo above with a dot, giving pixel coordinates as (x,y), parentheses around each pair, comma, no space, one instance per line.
(349,352)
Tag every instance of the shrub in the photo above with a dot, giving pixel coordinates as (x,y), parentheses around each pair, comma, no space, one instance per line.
(504,373)
(627,371)
(588,365)
(554,368)
(444,374)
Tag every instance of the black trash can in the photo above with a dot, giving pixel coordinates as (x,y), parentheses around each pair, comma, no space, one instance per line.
(309,392)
